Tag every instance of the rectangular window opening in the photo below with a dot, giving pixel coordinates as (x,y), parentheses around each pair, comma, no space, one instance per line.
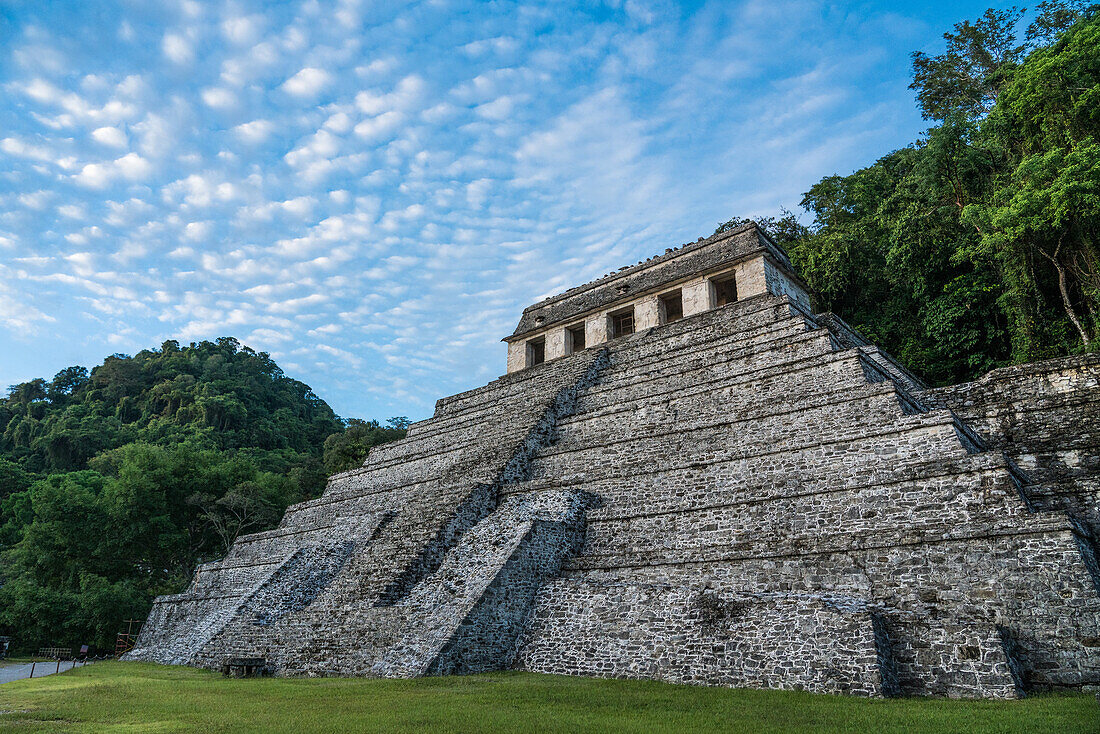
(574,339)
(622,323)
(672,307)
(725,290)
(536,352)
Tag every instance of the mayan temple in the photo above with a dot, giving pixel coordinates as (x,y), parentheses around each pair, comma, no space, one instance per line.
(687,475)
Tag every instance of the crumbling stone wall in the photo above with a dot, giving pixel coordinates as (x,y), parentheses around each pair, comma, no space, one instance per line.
(752,495)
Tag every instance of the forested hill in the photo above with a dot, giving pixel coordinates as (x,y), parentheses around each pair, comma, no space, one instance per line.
(115,483)
(979,244)
(216,394)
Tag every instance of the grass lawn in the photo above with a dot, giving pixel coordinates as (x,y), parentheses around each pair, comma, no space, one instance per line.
(137,697)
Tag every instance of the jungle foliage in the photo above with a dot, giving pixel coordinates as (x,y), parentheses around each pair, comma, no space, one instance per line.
(978,245)
(115,483)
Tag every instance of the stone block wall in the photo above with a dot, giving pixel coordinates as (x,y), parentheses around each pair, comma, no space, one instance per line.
(688,633)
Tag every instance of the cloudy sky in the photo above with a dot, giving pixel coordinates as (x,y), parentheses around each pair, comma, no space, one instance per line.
(372,191)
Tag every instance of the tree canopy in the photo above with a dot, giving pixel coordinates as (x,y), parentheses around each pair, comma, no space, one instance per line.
(976,246)
(115,483)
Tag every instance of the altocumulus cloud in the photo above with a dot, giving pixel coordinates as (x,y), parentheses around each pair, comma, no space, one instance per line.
(372,191)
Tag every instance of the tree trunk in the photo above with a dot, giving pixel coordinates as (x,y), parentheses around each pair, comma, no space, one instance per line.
(1064,290)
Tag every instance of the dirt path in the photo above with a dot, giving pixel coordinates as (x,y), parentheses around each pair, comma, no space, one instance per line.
(19,671)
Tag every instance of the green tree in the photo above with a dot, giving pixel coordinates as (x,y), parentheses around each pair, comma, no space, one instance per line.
(975,246)
(348,450)
(114,483)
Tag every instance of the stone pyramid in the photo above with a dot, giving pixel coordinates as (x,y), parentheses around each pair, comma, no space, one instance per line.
(687,475)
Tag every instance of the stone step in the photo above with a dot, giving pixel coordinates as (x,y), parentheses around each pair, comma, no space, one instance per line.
(729,371)
(517,383)
(918,651)
(437,606)
(815,372)
(976,500)
(878,409)
(637,351)
(434,445)
(515,424)
(913,437)
(650,350)
(756,549)
(848,338)
(744,321)
(699,485)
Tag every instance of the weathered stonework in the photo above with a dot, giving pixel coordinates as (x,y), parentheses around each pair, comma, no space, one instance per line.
(750,495)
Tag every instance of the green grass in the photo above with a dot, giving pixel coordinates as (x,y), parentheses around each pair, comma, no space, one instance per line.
(135,697)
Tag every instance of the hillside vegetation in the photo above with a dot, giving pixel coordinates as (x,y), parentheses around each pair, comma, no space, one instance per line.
(115,483)
(979,244)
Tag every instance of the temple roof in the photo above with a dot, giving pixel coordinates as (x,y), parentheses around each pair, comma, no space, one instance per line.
(625,284)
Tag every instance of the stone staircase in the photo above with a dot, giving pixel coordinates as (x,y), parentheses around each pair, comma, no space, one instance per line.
(342,590)
(434,611)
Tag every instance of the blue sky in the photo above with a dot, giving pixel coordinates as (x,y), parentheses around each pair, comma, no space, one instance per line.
(372,191)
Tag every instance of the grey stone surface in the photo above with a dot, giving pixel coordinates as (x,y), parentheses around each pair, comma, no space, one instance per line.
(750,496)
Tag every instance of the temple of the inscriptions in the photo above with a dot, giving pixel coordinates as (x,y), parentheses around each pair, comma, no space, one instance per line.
(687,475)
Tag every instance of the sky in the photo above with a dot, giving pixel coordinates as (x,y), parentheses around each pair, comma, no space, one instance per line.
(372,192)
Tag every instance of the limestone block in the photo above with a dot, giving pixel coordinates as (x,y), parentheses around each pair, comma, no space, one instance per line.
(752,278)
(781,284)
(595,330)
(697,296)
(646,313)
(517,356)
(555,343)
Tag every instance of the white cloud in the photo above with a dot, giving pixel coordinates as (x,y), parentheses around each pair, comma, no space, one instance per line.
(157,135)
(339,123)
(76,108)
(195,231)
(20,317)
(133,167)
(37,200)
(322,145)
(200,191)
(301,206)
(498,109)
(41,57)
(381,126)
(130,167)
(17,147)
(407,94)
(218,97)
(499,45)
(424,185)
(177,48)
(243,29)
(308,82)
(110,136)
(83,263)
(256,131)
